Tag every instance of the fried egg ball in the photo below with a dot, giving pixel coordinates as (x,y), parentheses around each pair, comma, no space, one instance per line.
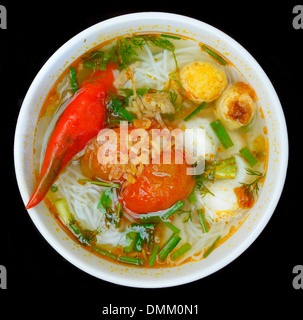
(236,106)
(203,81)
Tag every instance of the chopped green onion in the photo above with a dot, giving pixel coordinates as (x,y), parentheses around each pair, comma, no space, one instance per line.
(119,211)
(131,238)
(203,220)
(100,183)
(105,253)
(213,54)
(116,106)
(197,110)
(131,260)
(150,218)
(210,249)
(226,169)
(63,210)
(248,156)
(169,246)
(181,251)
(192,197)
(153,256)
(105,200)
(179,204)
(222,134)
(54,188)
(171,37)
(73,79)
(171,226)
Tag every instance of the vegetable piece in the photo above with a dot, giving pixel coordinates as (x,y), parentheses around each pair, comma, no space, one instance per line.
(73,79)
(158,188)
(153,256)
(170,36)
(81,121)
(181,251)
(131,238)
(222,134)
(150,218)
(130,260)
(248,156)
(100,183)
(86,237)
(116,106)
(252,189)
(171,227)
(169,246)
(211,248)
(203,220)
(54,188)
(63,210)
(105,252)
(178,205)
(197,110)
(105,200)
(226,169)
(213,54)
(192,197)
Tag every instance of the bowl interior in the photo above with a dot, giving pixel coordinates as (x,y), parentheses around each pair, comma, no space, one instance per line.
(277,136)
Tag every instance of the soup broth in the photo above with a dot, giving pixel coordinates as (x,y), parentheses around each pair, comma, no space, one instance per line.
(141,213)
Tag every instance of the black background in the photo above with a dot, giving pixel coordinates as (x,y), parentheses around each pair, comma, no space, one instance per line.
(261,278)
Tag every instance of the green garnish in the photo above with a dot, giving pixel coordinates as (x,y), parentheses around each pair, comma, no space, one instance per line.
(248,156)
(252,189)
(54,188)
(211,248)
(222,134)
(116,105)
(153,256)
(170,36)
(181,251)
(197,110)
(105,253)
(169,246)
(130,260)
(213,54)
(131,238)
(171,227)
(100,183)
(203,220)
(73,79)
(226,169)
(86,237)
(178,205)
(97,60)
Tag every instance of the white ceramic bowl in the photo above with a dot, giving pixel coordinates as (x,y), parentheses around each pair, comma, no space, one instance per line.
(277,163)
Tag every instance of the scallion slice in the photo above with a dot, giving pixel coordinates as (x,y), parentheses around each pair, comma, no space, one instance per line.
(169,246)
(178,205)
(153,256)
(105,253)
(131,260)
(213,54)
(211,248)
(181,251)
(248,156)
(73,79)
(100,183)
(203,220)
(222,134)
(197,110)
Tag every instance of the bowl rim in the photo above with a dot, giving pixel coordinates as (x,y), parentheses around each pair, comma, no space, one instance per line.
(273,201)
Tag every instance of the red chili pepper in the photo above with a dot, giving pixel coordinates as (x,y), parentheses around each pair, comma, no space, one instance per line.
(81,121)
